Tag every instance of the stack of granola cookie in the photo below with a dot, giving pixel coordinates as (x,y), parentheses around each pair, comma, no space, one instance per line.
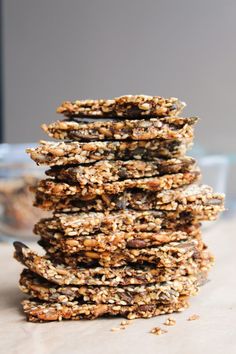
(124,237)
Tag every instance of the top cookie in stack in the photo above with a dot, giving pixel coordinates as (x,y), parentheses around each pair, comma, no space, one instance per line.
(124,238)
(129,106)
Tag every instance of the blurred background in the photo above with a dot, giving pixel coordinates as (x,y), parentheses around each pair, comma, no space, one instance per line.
(53,50)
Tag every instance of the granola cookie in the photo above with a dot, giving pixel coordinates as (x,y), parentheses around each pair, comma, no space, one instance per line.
(89,192)
(66,153)
(154,128)
(115,241)
(107,171)
(124,106)
(59,273)
(193,200)
(165,292)
(78,224)
(38,311)
(168,255)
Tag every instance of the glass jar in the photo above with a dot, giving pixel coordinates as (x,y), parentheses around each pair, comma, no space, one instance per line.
(18,173)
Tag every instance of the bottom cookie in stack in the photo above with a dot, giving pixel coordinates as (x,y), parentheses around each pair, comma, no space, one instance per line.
(141,290)
(37,311)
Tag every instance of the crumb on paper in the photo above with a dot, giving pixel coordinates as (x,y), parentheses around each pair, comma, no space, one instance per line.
(170,321)
(115,329)
(124,323)
(193,317)
(158,331)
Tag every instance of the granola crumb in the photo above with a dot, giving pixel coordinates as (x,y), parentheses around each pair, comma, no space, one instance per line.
(158,331)
(170,321)
(125,323)
(193,317)
(115,329)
